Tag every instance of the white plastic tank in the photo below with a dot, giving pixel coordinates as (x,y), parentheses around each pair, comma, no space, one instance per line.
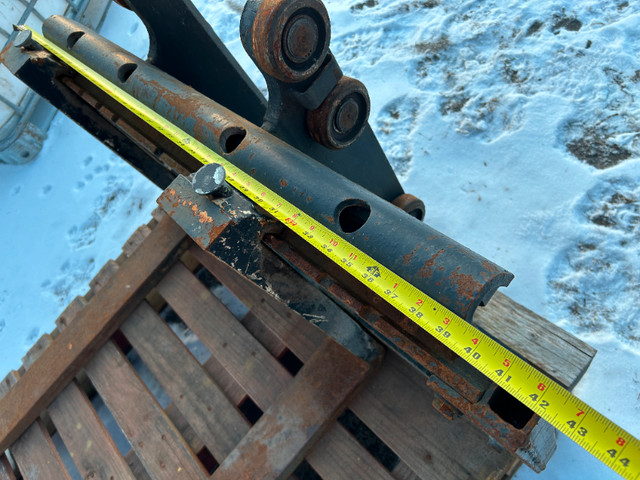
(24,116)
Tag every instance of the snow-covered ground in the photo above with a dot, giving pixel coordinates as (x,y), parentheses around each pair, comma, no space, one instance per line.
(515,121)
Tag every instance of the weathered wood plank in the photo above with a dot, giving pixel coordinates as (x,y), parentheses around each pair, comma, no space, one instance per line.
(8,382)
(37,457)
(232,389)
(396,405)
(156,441)
(543,344)
(300,336)
(63,359)
(70,313)
(135,240)
(338,455)
(328,457)
(6,472)
(267,338)
(337,452)
(36,350)
(228,341)
(218,423)
(302,412)
(105,274)
(92,449)
(137,469)
(403,472)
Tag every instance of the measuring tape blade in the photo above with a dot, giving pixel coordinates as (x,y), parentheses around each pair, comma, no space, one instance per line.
(592,431)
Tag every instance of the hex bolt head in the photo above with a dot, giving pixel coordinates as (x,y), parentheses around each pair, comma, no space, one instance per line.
(210,180)
(301,38)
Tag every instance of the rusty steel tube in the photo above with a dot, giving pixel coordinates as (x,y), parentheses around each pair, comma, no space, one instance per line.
(453,275)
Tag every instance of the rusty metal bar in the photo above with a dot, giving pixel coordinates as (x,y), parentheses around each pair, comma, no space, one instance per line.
(447,271)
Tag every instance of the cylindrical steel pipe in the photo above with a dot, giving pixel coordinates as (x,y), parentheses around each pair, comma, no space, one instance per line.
(450,273)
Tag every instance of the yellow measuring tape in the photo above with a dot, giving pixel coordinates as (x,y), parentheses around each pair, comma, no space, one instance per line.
(592,431)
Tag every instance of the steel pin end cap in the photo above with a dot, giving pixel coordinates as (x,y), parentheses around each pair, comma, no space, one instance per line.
(210,180)
(24,39)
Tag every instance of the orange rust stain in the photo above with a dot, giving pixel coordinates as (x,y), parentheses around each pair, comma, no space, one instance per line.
(217,230)
(490,267)
(466,285)
(426,270)
(186,106)
(204,217)
(283,182)
(406,259)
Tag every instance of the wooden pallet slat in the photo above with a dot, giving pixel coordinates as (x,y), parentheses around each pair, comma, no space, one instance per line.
(303,411)
(299,419)
(36,350)
(291,328)
(203,404)
(63,359)
(228,341)
(6,472)
(337,451)
(545,345)
(155,440)
(268,339)
(338,455)
(36,455)
(396,405)
(91,447)
(70,313)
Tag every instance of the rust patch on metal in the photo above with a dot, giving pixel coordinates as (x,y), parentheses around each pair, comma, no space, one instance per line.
(491,268)
(466,286)
(4,51)
(406,259)
(482,415)
(183,107)
(426,270)
(283,182)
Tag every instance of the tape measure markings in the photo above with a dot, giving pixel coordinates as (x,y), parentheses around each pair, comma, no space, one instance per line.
(547,398)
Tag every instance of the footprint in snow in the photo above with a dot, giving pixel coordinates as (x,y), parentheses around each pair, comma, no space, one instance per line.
(33,335)
(394,127)
(595,283)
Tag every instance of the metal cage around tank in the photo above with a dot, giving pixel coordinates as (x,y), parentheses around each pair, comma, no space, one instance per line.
(24,118)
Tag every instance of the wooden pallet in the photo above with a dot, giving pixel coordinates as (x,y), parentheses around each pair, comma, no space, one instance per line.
(264,404)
